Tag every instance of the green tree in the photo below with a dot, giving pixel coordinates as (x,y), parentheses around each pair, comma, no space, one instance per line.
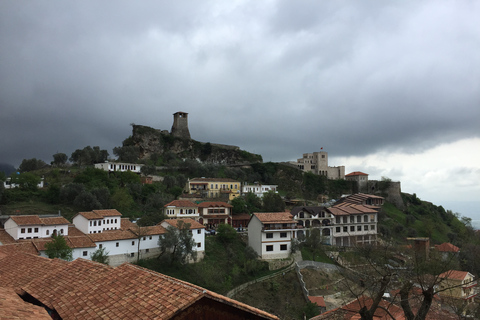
(127,153)
(100,255)
(89,156)
(254,204)
(58,248)
(59,159)
(273,202)
(26,181)
(31,165)
(87,201)
(226,233)
(239,205)
(178,243)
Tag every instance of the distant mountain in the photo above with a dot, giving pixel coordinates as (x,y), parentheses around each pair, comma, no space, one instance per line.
(7,168)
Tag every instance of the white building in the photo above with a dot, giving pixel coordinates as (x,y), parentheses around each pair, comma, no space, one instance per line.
(32,227)
(182,209)
(258,189)
(7,184)
(97,221)
(213,213)
(270,234)
(119,166)
(197,231)
(349,222)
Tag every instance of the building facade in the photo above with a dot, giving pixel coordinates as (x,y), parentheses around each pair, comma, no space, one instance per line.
(119,166)
(317,162)
(270,234)
(258,189)
(228,189)
(179,209)
(33,227)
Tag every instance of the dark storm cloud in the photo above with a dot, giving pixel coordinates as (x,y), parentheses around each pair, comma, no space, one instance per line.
(279,78)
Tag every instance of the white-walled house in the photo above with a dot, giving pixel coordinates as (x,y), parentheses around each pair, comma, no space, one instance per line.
(270,234)
(8,184)
(119,166)
(258,189)
(97,221)
(180,209)
(196,229)
(32,227)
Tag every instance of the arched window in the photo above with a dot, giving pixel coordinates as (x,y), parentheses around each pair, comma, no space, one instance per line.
(48,232)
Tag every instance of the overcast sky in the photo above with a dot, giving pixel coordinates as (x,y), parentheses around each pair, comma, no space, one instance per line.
(390,88)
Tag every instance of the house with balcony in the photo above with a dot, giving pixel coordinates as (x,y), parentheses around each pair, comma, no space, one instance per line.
(270,234)
(180,209)
(350,221)
(213,213)
(258,189)
(97,221)
(33,226)
(458,285)
(225,188)
(317,217)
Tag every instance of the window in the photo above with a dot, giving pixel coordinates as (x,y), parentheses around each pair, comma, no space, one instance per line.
(147,250)
(133,243)
(345,229)
(115,220)
(283,234)
(48,232)
(108,221)
(199,244)
(36,230)
(359,228)
(132,254)
(365,218)
(352,219)
(283,247)
(100,222)
(150,238)
(199,231)
(22,230)
(90,223)
(352,228)
(269,235)
(144,238)
(337,229)
(84,253)
(117,244)
(372,227)
(95,223)
(61,231)
(100,246)
(359,219)
(365,228)
(270,248)
(29,230)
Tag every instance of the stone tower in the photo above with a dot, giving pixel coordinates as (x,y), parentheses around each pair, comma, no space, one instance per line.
(180,125)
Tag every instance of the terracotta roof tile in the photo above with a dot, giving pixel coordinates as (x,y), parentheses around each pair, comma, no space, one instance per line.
(208,204)
(25,247)
(5,237)
(454,275)
(26,220)
(447,247)
(174,222)
(99,214)
(356,173)
(181,203)
(275,217)
(52,221)
(112,235)
(13,307)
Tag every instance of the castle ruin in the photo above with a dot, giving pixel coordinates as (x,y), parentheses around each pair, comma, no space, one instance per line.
(180,125)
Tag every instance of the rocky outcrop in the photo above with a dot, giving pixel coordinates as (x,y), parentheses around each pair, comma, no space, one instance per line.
(150,142)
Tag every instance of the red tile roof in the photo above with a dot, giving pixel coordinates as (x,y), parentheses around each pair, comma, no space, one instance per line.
(36,220)
(26,220)
(318,300)
(447,247)
(181,203)
(208,204)
(99,214)
(454,275)
(112,235)
(356,173)
(13,307)
(274,217)
(5,237)
(193,224)
(84,289)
